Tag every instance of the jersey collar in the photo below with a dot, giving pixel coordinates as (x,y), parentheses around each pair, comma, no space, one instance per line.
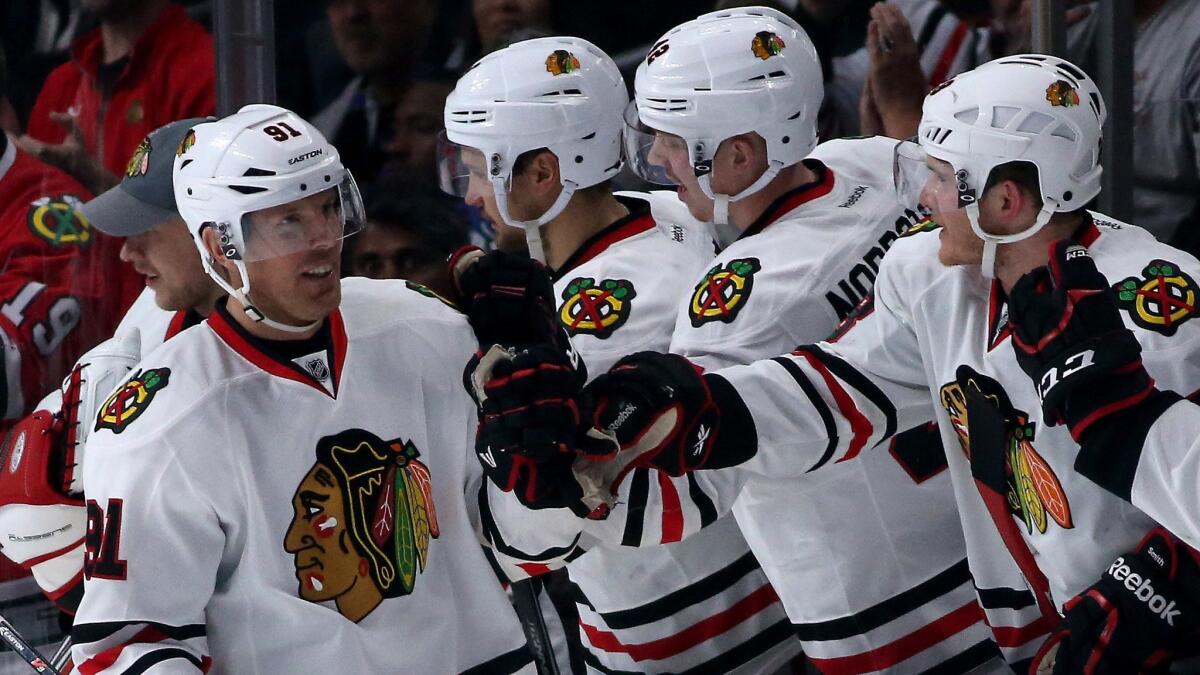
(275,357)
(790,200)
(637,221)
(999,328)
(181,321)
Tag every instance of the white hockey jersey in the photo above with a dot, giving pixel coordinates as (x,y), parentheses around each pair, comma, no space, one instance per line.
(789,280)
(1167,471)
(1037,532)
(154,324)
(699,604)
(260,510)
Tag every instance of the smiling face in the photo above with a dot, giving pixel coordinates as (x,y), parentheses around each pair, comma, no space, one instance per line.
(328,567)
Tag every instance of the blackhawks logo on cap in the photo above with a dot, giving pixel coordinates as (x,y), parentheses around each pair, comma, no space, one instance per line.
(127,403)
(139,162)
(1063,94)
(189,139)
(598,309)
(766,44)
(1011,467)
(1161,300)
(723,291)
(58,221)
(561,61)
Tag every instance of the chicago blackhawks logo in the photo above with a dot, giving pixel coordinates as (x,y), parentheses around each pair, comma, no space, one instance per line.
(189,139)
(129,401)
(1061,93)
(598,309)
(766,44)
(723,292)
(1161,300)
(58,221)
(561,62)
(139,162)
(363,517)
(1032,490)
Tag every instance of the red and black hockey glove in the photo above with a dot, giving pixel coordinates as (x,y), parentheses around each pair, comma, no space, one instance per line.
(508,298)
(1140,616)
(1069,338)
(663,412)
(529,424)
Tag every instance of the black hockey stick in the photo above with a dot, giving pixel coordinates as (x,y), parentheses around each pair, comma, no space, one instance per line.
(21,646)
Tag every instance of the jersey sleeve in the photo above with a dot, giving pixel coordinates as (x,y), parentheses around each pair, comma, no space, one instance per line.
(154,544)
(1168,470)
(830,401)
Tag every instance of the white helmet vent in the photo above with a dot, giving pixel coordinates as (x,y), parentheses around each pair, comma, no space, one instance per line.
(1064,131)
(668,104)
(1035,123)
(470,116)
(1002,116)
(937,135)
(969,115)
(564,92)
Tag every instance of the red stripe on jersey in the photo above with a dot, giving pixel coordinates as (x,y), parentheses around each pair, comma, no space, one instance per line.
(793,199)
(624,228)
(176,325)
(337,331)
(52,554)
(997,507)
(949,53)
(147,635)
(672,645)
(672,517)
(534,569)
(859,424)
(906,647)
(65,588)
(1010,637)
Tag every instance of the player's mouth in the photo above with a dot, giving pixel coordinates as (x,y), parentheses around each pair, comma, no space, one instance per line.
(318,272)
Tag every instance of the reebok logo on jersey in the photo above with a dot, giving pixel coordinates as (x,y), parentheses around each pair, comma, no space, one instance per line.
(701,438)
(1143,591)
(487,458)
(854,197)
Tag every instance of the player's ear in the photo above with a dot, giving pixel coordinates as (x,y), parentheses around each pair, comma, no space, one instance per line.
(745,152)
(543,171)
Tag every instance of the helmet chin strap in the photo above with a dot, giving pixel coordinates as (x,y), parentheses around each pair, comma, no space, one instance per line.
(533,228)
(242,296)
(992,242)
(721,202)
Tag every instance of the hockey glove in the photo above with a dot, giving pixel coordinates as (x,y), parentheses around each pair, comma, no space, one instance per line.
(529,425)
(1069,338)
(509,299)
(663,413)
(1140,616)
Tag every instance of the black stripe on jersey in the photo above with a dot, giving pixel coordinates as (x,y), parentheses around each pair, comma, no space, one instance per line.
(83,633)
(639,492)
(157,656)
(492,532)
(930,27)
(708,512)
(851,376)
(738,656)
(818,404)
(676,601)
(1112,448)
(893,608)
(967,660)
(509,662)
(1004,598)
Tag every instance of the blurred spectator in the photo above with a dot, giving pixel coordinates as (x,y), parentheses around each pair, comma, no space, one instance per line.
(496,20)
(412,149)
(40,34)
(1166,115)
(382,41)
(409,235)
(146,64)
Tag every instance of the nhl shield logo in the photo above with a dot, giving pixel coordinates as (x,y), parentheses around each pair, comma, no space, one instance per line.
(1161,300)
(128,402)
(596,309)
(723,292)
(58,221)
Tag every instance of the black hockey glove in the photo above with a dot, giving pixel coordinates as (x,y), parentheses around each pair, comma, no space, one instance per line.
(529,424)
(664,413)
(1140,616)
(1069,338)
(509,299)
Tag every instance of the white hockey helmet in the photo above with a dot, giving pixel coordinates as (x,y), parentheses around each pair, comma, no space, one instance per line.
(1026,108)
(559,93)
(261,157)
(723,74)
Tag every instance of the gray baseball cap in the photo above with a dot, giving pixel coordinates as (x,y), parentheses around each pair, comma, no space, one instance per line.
(144,199)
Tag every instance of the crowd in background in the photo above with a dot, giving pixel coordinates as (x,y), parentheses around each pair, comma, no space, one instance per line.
(86,80)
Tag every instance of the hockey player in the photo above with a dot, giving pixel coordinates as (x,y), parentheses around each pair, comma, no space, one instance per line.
(284,485)
(620,266)
(726,108)
(1013,151)
(42,518)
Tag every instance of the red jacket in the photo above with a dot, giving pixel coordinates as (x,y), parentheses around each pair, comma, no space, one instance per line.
(63,287)
(170,75)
